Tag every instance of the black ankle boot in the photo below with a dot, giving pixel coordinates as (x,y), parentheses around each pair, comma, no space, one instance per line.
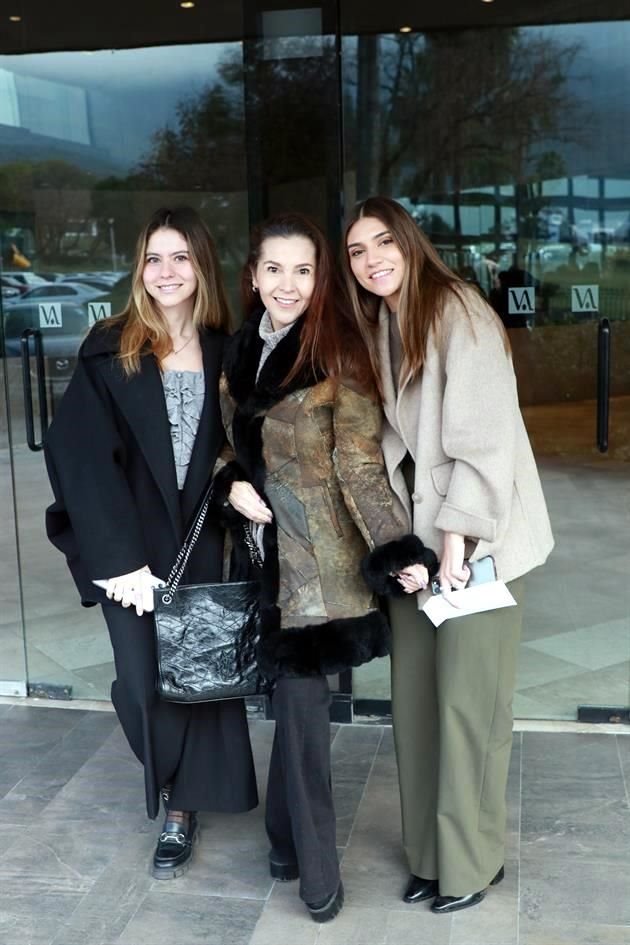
(173,852)
(283,869)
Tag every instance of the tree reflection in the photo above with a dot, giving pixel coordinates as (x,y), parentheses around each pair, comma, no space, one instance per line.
(49,199)
(432,114)
(472,106)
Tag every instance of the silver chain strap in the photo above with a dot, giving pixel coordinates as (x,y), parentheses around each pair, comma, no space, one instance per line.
(177,571)
(254,551)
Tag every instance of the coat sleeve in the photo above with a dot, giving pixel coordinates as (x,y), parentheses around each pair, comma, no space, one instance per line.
(360,467)
(227,470)
(479,424)
(94,516)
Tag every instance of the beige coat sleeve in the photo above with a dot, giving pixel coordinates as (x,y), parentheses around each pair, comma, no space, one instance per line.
(360,467)
(479,423)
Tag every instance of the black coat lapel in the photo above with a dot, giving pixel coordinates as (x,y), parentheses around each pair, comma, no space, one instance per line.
(210,434)
(142,402)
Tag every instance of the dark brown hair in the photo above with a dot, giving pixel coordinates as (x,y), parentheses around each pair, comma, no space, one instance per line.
(143,324)
(330,341)
(427,284)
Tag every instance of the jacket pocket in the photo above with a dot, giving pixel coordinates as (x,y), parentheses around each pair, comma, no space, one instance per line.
(334,518)
(441,476)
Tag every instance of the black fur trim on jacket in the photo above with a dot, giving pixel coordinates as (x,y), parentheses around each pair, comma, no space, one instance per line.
(324,649)
(378,566)
(222,483)
(254,396)
(241,357)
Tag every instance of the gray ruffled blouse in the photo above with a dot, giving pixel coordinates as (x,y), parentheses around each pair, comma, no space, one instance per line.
(184,392)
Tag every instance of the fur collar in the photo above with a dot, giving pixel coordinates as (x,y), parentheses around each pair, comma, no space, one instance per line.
(241,360)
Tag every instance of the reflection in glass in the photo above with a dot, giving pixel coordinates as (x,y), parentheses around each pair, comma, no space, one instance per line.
(509,147)
(91,144)
(12,657)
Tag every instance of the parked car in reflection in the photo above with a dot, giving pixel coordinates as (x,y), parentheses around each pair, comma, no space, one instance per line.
(51,276)
(62,292)
(9,282)
(92,282)
(107,276)
(26,278)
(60,344)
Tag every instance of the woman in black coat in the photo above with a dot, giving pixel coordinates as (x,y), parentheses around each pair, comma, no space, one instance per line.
(129,454)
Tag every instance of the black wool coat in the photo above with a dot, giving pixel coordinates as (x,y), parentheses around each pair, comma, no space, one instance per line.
(110,461)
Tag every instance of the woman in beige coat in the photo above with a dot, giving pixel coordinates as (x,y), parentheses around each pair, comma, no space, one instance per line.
(459,460)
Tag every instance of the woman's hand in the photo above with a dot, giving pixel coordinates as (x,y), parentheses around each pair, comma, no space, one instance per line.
(453,574)
(413,578)
(244,498)
(134,589)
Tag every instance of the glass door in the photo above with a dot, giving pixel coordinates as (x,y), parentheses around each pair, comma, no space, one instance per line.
(509,146)
(91,144)
(12,654)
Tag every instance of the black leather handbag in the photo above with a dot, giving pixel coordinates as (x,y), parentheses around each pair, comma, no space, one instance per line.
(207,633)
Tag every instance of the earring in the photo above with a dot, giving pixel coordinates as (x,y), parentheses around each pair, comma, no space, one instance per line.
(254,287)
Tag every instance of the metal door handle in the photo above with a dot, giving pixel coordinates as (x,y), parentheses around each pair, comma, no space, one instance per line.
(603,384)
(40,368)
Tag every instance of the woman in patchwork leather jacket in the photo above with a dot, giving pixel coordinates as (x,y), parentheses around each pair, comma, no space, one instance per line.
(307,480)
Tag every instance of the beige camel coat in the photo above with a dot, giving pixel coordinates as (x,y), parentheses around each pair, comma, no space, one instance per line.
(475,473)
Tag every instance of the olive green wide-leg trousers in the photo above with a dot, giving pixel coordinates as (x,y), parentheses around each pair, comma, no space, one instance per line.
(452,691)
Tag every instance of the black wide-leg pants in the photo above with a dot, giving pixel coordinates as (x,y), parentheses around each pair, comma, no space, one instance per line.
(300,815)
(202,750)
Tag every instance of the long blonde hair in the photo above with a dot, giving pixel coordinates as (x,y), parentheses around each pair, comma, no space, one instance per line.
(143,327)
(427,284)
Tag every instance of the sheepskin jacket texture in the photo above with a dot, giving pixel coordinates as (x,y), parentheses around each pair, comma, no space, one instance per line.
(311,449)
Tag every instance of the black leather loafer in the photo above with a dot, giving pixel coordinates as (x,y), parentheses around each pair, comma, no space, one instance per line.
(328,908)
(283,870)
(419,889)
(442,905)
(173,852)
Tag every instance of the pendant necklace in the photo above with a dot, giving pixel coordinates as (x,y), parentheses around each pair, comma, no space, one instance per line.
(181,348)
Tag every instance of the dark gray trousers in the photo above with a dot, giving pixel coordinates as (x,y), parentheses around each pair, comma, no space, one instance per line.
(300,816)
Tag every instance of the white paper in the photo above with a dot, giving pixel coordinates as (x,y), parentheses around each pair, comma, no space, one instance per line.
(472,600)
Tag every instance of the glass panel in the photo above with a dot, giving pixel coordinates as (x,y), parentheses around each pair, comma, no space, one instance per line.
(292,94)
(12,654)
(509,147)
(91,144)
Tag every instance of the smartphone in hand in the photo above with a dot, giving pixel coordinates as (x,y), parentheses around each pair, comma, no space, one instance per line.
(482,571)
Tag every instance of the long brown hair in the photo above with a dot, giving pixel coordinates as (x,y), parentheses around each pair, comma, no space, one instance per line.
(144,329)
(330,342)
(426,286)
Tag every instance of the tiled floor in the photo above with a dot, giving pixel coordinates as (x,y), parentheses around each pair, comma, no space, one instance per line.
(76,845)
